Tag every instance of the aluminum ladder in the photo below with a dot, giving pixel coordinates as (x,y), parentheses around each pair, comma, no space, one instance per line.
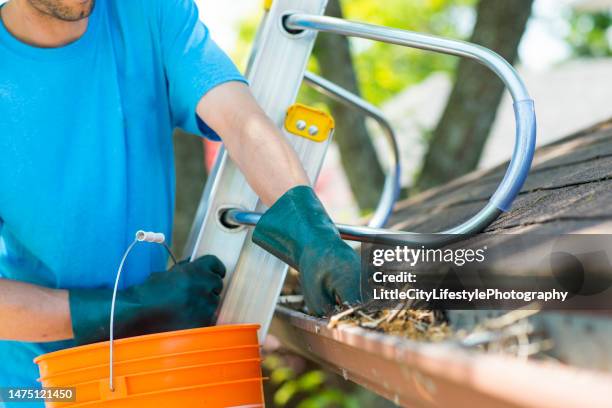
(276,70)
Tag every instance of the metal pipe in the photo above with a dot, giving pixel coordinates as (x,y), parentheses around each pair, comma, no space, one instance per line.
(413,40)
(525,128)
(391,187)
(523,106)
(236,218)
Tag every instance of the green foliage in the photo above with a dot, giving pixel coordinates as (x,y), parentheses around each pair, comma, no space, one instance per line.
(304,390)
(591,34)
(385,70)
(246,35)
(330,398)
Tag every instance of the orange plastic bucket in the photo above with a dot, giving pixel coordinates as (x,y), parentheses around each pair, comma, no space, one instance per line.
(197,367)
(243,393)
(98,390)
(141,365)
(151,345)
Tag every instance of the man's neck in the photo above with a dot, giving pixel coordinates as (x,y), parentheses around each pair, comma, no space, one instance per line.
(38,29)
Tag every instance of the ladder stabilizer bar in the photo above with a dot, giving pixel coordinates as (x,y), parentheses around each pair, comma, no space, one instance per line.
(523,104)
(236,218)
(524,148)
(391,188)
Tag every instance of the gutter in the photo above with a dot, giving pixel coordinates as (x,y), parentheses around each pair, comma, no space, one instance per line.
(442,374)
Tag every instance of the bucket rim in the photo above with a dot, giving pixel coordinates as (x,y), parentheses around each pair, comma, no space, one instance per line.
(170,370)
(140,359)
(153,336)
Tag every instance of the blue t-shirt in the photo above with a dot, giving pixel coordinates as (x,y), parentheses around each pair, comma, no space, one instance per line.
(86,156)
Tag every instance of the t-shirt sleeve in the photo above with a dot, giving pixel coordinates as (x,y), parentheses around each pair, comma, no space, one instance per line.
(193,62)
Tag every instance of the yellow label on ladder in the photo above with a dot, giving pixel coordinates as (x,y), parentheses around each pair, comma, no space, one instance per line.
(308,122)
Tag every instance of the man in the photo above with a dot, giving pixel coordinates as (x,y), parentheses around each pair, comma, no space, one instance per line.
(90,92)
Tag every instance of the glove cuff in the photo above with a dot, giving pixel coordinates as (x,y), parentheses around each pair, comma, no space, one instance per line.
(292,223)
(90,314)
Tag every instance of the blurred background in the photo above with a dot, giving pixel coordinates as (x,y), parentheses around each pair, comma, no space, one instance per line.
(452,116)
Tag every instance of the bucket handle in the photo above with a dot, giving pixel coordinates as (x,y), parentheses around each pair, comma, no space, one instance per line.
(141,236)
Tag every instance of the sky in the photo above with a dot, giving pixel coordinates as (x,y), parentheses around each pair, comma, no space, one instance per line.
(223,17)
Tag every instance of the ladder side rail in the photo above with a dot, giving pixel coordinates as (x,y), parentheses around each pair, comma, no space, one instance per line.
(203,205)
(254,277)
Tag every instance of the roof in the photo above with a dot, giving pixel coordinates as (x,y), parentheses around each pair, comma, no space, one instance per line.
(568,190)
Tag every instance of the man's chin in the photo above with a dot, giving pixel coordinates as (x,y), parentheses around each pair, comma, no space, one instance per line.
(65,10)
(81,10)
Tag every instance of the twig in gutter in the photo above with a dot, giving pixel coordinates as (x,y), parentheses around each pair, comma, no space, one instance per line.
(365,316)
(511,317)
(374,323)
(395,313)
(335,319)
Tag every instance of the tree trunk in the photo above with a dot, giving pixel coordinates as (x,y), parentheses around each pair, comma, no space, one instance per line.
(190,180)
(358,156)
(460,136)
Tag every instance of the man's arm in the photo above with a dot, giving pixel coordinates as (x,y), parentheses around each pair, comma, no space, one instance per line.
(296,228)
(38,314)
(33,313)
(254,143)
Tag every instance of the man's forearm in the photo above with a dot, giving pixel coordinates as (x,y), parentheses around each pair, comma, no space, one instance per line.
(254,143)
(33,313)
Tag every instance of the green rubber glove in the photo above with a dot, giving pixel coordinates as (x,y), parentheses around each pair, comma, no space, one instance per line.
(184,297)
(297,230)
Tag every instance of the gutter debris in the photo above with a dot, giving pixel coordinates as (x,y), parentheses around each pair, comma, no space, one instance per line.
(420,325)
(510,333)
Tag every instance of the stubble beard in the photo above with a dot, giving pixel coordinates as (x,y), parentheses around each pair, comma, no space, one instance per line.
(57,9)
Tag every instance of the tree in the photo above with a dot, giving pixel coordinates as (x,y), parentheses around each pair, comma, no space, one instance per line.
(589,34)
(190,180)
(384,70)
(459,138)
(357,153)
